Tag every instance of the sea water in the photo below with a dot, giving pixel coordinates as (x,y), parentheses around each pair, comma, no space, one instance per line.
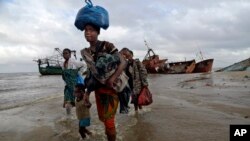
(18,89)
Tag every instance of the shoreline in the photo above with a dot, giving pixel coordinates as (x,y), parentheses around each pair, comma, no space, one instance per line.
(191,108)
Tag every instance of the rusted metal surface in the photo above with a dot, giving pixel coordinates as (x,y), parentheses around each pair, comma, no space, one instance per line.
(153,63)
(180,67)
(204,66)
(160,66)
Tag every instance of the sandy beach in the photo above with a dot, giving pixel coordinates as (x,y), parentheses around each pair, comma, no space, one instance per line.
(189,107)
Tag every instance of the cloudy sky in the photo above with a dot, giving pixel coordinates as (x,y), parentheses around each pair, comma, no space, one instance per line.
(175,29)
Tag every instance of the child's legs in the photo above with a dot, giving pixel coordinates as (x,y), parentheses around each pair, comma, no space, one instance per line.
(83,123)
(82,131)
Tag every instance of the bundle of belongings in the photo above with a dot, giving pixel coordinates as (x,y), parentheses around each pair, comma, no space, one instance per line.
(101,70)
(96,15)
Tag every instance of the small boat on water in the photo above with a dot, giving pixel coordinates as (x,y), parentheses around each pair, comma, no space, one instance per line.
(155,65)
(51,65)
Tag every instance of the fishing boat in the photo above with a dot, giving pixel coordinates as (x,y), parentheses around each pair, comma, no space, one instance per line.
(155,65)
(51,65)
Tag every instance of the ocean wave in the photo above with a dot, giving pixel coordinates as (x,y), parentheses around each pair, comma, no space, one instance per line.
(7,107)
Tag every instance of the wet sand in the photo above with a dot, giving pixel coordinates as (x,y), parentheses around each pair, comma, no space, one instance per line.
(197,107)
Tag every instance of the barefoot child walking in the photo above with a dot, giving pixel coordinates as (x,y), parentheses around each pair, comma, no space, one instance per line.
(82,110)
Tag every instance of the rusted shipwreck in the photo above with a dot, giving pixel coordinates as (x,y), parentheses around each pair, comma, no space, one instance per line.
(204,66)
(154,64)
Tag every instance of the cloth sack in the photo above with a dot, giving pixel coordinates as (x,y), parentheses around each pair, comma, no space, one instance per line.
(96,15)
(105,66)
(145,97)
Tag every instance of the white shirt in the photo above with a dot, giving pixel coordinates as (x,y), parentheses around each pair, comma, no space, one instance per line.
(74,64)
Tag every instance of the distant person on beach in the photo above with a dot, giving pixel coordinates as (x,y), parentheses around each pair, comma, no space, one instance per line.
(70,69)
(106,97)
(137,74)
(82,110)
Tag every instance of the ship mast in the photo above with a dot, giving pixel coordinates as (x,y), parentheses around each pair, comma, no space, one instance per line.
(149,50)
(201,55)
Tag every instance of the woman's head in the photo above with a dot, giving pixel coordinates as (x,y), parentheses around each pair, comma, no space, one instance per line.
(91,32)
(66,53)
(127,53)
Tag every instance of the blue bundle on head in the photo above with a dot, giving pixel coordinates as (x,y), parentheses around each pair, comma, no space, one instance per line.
(90,14)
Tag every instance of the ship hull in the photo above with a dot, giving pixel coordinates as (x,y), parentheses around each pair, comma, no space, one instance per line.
(180,67)
(50,70)
(160,67)
(204,66)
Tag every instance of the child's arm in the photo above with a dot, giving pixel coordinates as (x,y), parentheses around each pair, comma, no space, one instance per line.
(86,97)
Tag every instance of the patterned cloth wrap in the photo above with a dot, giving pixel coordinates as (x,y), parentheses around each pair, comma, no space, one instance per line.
(106,65)
(99,72)
(70,78)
